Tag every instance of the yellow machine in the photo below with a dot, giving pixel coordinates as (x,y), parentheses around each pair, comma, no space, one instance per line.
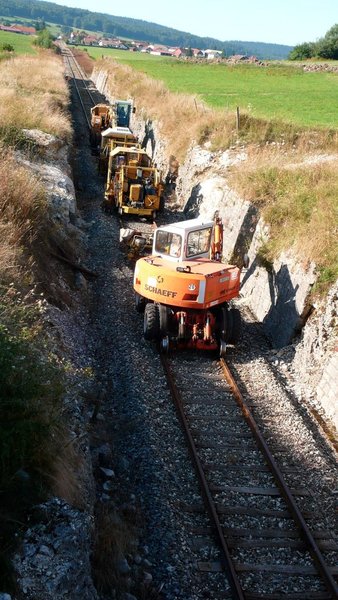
(184,289)
(111,138)
(116,117)
(134,184)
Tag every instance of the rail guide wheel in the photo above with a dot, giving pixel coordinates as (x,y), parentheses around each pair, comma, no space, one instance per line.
(165,345)
(222,349)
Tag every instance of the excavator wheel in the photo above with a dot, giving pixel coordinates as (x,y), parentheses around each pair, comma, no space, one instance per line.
(151,326)
(164,316)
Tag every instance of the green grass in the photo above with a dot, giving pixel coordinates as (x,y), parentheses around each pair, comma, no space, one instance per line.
(22,44)
(281,92)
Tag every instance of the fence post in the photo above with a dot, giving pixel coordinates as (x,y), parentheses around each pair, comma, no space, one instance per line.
(237,119)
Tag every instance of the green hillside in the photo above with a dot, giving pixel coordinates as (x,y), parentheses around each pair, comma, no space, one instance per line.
(133,28)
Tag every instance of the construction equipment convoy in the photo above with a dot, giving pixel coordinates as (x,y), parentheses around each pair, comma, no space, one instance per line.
(184,289)
(134,184)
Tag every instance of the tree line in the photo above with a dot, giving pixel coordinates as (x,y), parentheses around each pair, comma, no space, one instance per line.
(325,48)
(123,27)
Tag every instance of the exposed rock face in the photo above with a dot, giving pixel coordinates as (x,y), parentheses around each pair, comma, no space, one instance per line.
(50,162)
(48,148)
(316,358)
(277,293)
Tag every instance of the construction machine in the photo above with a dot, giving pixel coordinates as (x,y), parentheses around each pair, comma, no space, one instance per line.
(134,184)
(110,139)
(184,289)
(115,116)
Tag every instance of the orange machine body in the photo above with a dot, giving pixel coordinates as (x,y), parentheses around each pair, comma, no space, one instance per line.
(184,288)
(200,283)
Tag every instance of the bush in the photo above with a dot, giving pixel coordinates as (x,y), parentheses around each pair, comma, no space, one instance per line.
(44,39)
(7,48)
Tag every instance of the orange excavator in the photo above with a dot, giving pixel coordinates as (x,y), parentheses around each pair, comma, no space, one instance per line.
(184,289)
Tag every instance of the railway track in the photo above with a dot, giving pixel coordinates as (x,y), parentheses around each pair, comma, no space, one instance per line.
(86,93)
(261,532)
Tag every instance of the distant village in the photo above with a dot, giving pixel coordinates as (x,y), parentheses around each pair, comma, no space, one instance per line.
(146,47)
(84,39)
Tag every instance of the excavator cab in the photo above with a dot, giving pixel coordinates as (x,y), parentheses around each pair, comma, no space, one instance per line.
(179,243)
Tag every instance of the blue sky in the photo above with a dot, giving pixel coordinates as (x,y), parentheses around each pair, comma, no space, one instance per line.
(287,22)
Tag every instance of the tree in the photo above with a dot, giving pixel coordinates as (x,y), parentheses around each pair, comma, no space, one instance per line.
(40,25)
(303,51)
(44,39)
(328,48)
(66,30)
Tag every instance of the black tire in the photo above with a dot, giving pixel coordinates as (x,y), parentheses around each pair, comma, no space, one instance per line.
(164,316)
(140,303)
(161,204)
(236,326)
(151,327)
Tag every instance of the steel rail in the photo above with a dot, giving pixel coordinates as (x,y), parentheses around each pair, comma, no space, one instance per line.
(77,89)
(82,75)
(306,534)
(227,560)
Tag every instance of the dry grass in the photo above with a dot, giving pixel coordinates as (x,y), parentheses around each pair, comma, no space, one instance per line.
(298,199)
(113,539)
(22,210)
(34,94)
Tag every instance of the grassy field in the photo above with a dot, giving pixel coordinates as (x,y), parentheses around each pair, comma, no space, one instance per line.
(283,92)
(22,44)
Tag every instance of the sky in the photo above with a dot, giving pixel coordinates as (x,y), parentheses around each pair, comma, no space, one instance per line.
(289,22)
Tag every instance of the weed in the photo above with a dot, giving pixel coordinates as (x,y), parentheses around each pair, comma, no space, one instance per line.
(113,540)
(265,256)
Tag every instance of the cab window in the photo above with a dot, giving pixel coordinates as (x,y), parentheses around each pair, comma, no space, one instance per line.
(168,243)
(198,242)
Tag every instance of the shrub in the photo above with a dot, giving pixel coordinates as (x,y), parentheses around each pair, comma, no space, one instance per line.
(44,39)
(7,48)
